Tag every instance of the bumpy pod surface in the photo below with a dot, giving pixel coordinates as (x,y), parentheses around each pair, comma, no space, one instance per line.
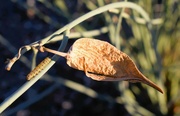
(103,62)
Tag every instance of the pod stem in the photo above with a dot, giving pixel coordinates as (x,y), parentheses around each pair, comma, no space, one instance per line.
(44,49)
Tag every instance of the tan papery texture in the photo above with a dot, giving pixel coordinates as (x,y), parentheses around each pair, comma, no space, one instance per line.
(103,62)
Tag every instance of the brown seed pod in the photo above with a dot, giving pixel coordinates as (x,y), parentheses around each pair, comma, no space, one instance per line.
(103,62)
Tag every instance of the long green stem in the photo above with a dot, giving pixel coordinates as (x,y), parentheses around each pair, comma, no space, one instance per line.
(98,11)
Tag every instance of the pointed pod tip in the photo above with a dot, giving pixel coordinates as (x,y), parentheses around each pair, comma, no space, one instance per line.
(159,89)
(150,83)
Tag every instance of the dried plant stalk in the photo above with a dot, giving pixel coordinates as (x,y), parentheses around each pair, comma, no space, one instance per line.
(102,61)
(38,68)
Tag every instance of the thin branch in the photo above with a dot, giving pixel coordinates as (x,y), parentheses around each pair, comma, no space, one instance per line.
(98,11)
(7,102)
(138,20)
(118,28)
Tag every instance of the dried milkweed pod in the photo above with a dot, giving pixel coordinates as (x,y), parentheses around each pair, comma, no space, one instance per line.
(103,62)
